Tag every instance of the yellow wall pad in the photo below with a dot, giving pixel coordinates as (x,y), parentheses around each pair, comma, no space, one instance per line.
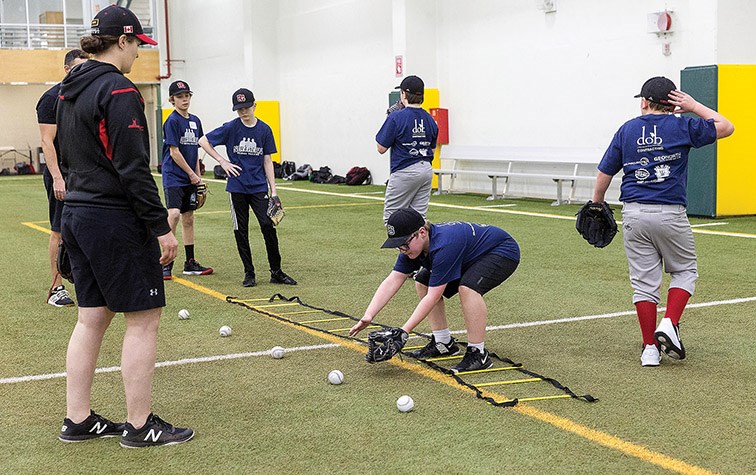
(270,113)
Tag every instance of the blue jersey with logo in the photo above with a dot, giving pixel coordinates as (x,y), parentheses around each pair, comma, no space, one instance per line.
(652,151)
(411,135)
(246,147)
(455,246)
(184,133)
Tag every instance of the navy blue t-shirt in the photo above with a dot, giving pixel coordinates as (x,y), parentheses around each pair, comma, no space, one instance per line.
(652,151)
(184,133)
(455,246)
(411,135)
(246,147)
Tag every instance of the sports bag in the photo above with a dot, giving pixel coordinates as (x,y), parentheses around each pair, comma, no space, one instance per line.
(287,168)
(358,176)
(219,173)
(321,176)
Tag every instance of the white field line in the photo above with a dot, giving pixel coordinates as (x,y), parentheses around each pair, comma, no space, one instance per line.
(707,224)
(492,210)
(161,364)
(208,359)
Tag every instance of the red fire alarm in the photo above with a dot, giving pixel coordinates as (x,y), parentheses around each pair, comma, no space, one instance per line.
(398,66)
(664,22)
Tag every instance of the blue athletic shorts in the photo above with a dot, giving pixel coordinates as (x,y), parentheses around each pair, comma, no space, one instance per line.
(114,258)
(483,275)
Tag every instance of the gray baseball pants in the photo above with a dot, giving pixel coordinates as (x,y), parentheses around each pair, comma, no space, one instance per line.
(657,235)
(409,188)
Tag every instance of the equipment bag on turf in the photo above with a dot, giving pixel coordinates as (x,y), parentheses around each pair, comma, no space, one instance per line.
(358,176)
(219,173)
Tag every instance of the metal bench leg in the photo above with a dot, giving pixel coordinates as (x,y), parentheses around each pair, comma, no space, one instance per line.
(440,188)
(559,193)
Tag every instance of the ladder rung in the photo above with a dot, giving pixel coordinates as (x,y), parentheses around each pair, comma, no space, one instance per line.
(349,328)
(538,398)
(300,312)
(323,320)
(512,381)
(277,305)
(476,371)
(445,358)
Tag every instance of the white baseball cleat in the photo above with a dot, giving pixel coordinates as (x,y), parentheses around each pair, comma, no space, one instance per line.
(650,356)
(668,336)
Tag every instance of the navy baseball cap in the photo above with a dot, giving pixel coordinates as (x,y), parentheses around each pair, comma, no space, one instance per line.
(400,226)
(177,87)
(657,90)
(117,21)
(243,98)
(412,84)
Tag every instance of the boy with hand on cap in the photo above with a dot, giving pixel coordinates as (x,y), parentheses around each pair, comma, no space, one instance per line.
(450,258)
(411,135)
(181,173)
(652,152)
(249,144)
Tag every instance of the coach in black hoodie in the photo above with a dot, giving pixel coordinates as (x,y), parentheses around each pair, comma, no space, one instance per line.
(114,226)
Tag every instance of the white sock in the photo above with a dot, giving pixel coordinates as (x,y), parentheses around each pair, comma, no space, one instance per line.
(442,336)
(480,346)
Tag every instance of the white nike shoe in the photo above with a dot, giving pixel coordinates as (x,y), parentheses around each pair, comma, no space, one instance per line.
(668,336)
(650,356)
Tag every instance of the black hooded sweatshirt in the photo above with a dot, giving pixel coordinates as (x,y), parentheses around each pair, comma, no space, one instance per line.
(104,144)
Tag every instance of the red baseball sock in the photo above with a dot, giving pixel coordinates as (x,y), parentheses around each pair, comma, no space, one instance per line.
(647,319)
(677,299)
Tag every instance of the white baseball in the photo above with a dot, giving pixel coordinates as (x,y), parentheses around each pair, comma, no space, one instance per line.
(405,404)
(277,352)
(183,314)
(335,377)
(225,330)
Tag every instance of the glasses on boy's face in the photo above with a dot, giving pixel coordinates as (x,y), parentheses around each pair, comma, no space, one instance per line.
(405,247)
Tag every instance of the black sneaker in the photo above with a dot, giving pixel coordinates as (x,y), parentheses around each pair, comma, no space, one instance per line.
(168,271)
(473,360)
(192,267)
(59,297)
(280,277)
(154,432)
(93,427)
(435,349)
(249,280)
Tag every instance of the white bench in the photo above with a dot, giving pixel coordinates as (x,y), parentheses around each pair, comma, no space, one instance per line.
(559,164)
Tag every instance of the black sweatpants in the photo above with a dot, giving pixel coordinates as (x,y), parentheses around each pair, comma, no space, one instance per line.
(240,205)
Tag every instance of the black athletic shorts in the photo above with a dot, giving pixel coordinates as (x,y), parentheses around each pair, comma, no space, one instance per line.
(55,207)
(183,198)
(114,258)
(485,274)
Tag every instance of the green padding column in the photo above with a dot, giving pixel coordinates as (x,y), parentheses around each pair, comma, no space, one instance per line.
(701,83)
(394,96)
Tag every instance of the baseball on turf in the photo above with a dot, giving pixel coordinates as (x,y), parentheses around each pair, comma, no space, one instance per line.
(335,377)
(183,314)
(405,404)
(277,352)
(225,330)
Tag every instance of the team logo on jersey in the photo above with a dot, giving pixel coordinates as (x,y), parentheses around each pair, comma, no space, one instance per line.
(134,125)
(189,137)
(643,161)
(642,174)
(662,171)
(247,147)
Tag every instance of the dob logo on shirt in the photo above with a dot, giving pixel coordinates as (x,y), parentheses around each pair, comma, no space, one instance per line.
(648,141)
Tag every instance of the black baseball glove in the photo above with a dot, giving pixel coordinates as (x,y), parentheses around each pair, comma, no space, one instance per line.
(275,210)
(384,344)
(63,263)
(595,222)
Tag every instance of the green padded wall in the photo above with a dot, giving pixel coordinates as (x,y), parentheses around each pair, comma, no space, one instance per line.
(701,83)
